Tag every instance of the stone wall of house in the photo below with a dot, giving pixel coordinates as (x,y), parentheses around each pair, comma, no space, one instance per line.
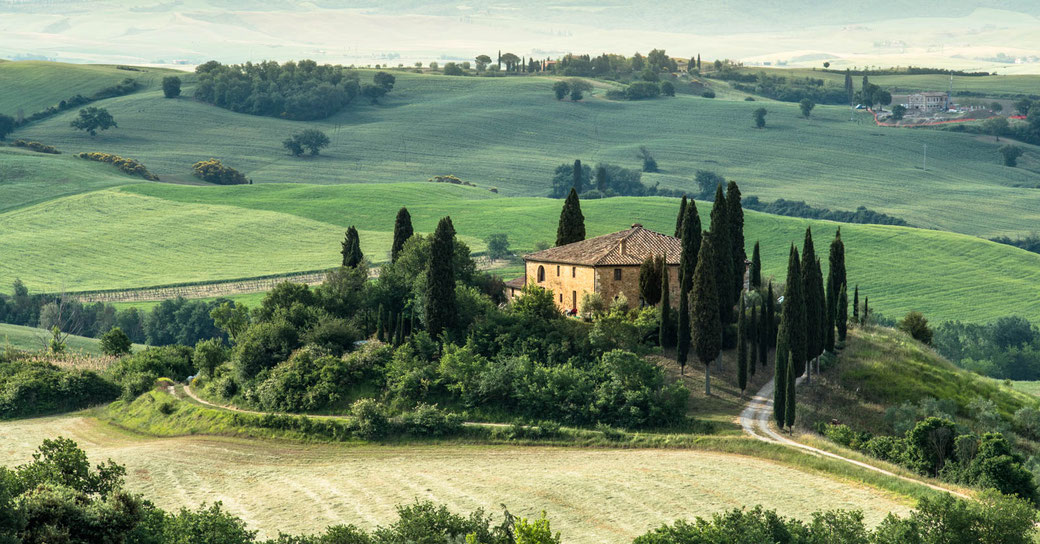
(570,282)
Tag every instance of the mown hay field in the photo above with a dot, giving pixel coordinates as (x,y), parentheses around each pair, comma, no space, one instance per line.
(591,495)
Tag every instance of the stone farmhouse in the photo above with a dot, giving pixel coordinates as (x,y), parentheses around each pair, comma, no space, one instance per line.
(608,265)
(929,101)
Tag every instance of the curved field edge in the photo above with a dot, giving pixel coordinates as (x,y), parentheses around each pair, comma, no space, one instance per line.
(157,234)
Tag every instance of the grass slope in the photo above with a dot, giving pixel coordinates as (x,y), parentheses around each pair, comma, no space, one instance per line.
(592,495)
(510,133)
(33,339)
(30,178)
(34,85)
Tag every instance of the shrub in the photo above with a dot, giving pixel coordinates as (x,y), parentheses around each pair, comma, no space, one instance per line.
(208,355)
(215,172)
(127,166)
(115,342)
(171,86)
(667,88)
(37,147)
(371,419)
(1010,154)
(711,94)
(36,388)
(641,90)
(139,372)
(916,326)
(428,420)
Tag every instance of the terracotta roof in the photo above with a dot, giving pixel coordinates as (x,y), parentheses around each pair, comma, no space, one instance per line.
(517,283)
(627,247)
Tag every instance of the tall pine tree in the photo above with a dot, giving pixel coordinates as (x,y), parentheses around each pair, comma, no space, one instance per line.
(763,337)
(735,216)
(866,311)
(793,315)
(666,337)
(650,281)
(707,328)
(813,319)
(790,398)
(835,281)
(770,317)
(855,306)
(351,251)
(723,250)
(753,336)
(576,177)
(756,268)
(688,260)
(742,347)
(572,223)
(843,314)
(402,232)
(819,298)
(780,373)
(440,280)
(679,219)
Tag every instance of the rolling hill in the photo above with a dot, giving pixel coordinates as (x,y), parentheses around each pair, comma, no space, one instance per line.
(510,133)
(31,86)
(153,234)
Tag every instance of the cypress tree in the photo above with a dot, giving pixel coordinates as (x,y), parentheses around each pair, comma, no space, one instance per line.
(440,280)
(666,337)
(650,280)
(399,339)
(789,397)
(835,281)
(820,299)
(576,176)
(742,347)
(572,223)
(402,232)
(602,183)
(813,319)
(379,326)
(735,216)
(679,219)
(722,249)
(770,318)
(707,327)
(351,248)
(866,310)
(792,316)
(842,314)
(780,373)
(855,306)
(753,335)
(691,243)
(756,268)
(763,337)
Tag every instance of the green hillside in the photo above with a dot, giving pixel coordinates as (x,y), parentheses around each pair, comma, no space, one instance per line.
(153,234)
(30,178)
(34,85)
(993,85)
(33,339)
(510,133)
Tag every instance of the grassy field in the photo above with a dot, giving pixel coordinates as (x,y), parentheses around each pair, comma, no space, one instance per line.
(251,300)
(28,178)
(248,231)
(33,339)
(510,133)
(590,495)
(993,85)
(32,86)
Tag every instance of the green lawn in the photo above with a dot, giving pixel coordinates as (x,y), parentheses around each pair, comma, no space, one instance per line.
(32,86)
(28,178)
(157,234)
(510,133)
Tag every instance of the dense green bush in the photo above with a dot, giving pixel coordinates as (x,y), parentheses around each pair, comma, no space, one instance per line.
(36,388)
(1008,348)
(127,166)
(798,208)
(215,172)
(138,373)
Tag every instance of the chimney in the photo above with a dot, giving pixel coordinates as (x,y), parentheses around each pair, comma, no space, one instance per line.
(623,240)
(637,226)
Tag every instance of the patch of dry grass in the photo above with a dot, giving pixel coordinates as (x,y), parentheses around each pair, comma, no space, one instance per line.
(591,495)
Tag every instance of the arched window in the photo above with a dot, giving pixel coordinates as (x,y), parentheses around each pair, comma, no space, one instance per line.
(541,274)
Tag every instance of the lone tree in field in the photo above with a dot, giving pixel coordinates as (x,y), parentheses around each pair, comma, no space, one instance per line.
(402,232)
(311,139)
(93,119)
(706,325)
(835,283)
(649,164)
(756,268)
(572,223)
(806,105)
(440,280)
(759,116)
(1010,153)
(171,86)
(561,89)
(351,250)
(691,240)
(666,336)
(742,347)
(650,280)
(679,219)
(576,176)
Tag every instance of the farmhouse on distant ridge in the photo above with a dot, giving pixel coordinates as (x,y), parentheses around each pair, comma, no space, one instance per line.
(929,101)
(608,265)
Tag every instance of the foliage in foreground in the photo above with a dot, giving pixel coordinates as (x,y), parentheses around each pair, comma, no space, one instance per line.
(38,388)
(58,497)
